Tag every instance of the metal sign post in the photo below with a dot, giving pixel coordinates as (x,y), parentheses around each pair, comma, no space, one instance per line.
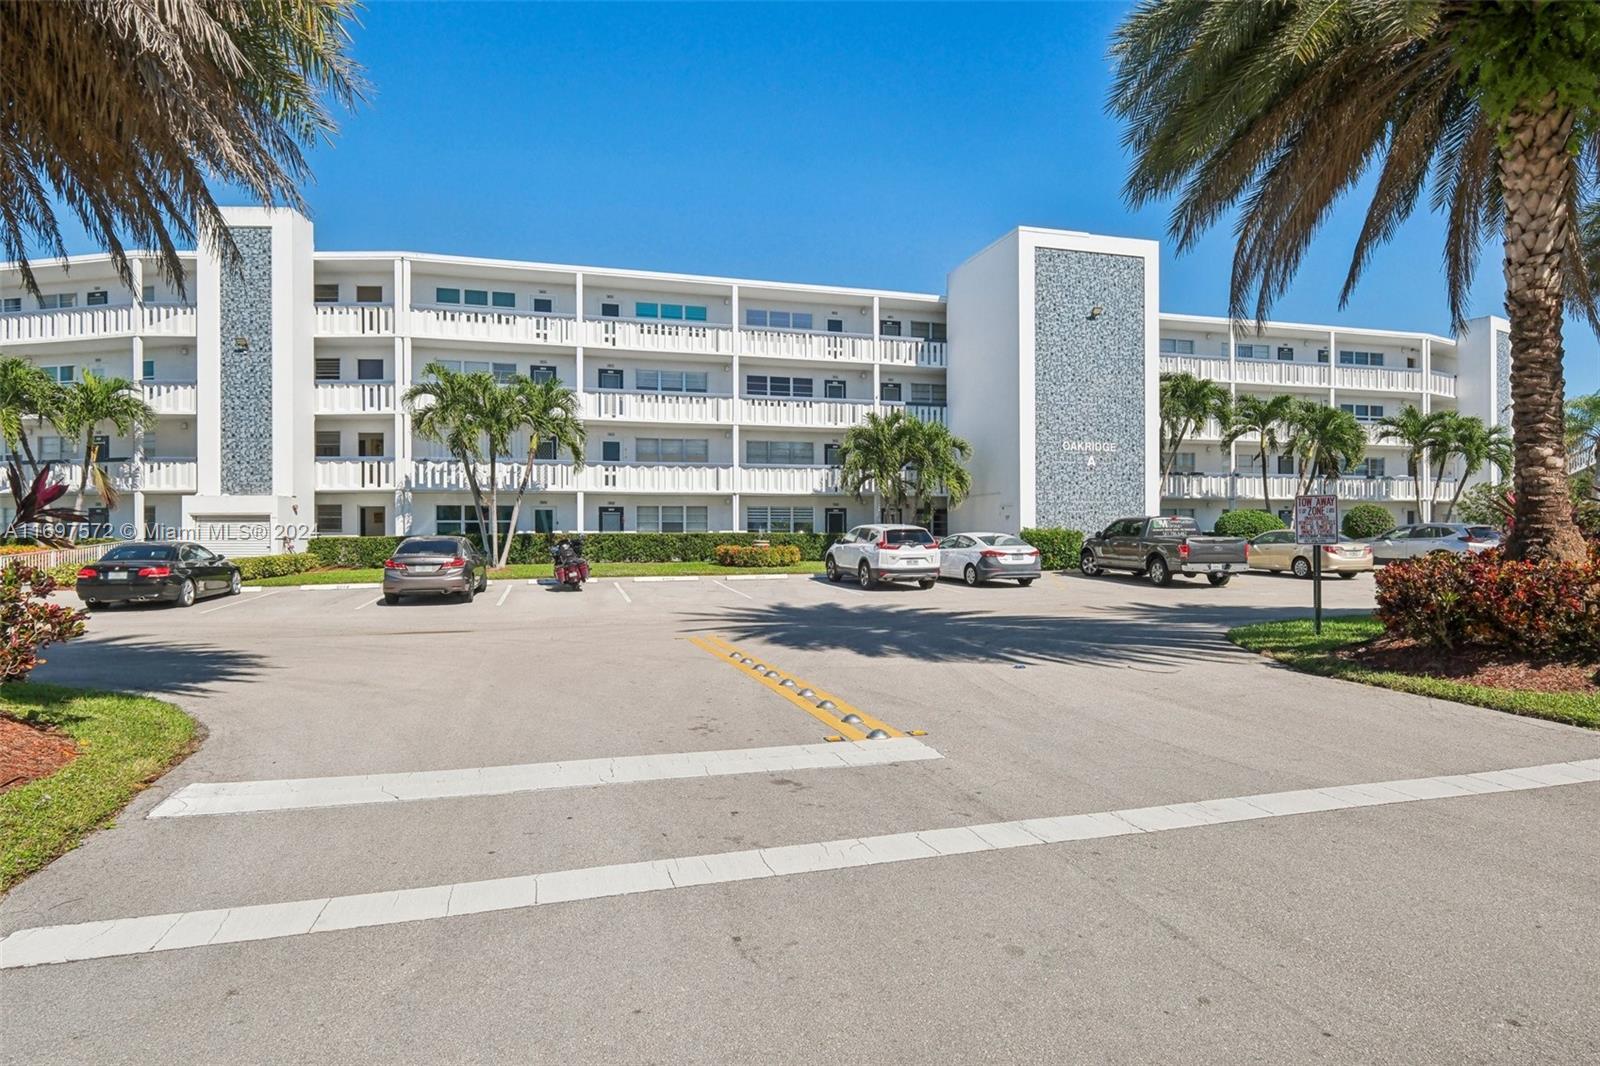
(1316,522)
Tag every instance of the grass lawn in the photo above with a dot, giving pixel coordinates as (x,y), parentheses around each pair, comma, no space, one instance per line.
(1293,643)
(536,570)
(123,741)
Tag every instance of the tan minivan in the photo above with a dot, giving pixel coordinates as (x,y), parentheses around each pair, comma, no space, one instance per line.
(1277,551)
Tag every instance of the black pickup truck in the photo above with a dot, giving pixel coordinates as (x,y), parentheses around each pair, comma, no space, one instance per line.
(1161,546)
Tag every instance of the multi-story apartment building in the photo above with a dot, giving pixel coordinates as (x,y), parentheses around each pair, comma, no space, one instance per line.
(710,403)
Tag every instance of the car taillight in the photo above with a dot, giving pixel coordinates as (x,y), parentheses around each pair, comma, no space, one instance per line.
(1183,550)
(990,553)
(155,571)
(393,564)
(935,544)
(1247,551)
(455,564)
(884,545)
(1034,552)
(88,571)
(1330,549)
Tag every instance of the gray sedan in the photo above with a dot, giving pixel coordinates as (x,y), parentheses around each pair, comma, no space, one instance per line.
(440,566)
(1410,542)
(979,557)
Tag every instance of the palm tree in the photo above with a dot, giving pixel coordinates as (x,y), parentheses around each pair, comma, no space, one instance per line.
(90,403)
(939,459)
(168,101)
(26,391)
(1187,403)
(1326,441)
(1278,109)
(1583,428)
(1419,433)
(542,411)
(1478,445)
(448,409)
(876,453)
(1263,416)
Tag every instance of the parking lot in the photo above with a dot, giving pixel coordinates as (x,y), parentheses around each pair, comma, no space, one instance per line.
(720,882)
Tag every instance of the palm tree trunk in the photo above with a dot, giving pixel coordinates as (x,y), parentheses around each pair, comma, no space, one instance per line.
(1266,489)
(1455,497)
(516,508)
(494,507)
(83,475)
(476,489)
(1536,173)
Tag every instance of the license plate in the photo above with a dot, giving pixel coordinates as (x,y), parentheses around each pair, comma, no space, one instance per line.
(117,575)
(425,568)
(1218,566)
(1016,558)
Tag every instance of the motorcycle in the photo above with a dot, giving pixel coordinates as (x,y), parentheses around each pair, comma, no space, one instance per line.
(572,569)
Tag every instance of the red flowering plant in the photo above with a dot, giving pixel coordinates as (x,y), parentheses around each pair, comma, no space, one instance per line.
(29,621)
(35,507)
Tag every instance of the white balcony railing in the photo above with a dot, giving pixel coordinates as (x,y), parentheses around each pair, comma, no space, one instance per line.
(803,414)
(448,475)
(1379,379)
(789,480)
(929,412)
(167,320)
(799,344)
(651,477)
(657,407)
(1247,487)
(456,324)
(355,397)
(355,320)
(78,323)
(349,474)
(648,336)
(170,397)
(158,474)
(1441,384)
(908,351)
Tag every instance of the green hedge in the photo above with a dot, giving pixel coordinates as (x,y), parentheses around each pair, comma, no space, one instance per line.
(256,567)
(1366,520)
(754,555)
(369,552)
(1058,548)
(1247,523)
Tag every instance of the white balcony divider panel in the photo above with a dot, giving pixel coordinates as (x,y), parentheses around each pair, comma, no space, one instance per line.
(454,324)
(355,320)
(1379,379)
(447,475)
(354,397)
(169,475)
(351,474)
(803,414)
(1441,384)
(796,344)
(908,351)
(657,407)
(789,480)
(689,478)
(78,323)
(929,413)
(167,320)
(646,336)
(170,397)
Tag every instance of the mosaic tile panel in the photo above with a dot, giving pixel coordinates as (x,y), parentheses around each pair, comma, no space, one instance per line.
(246,339)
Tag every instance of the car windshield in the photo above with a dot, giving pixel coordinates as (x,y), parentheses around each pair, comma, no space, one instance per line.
(1004,540)
(1176,524)
(907,536)
(139,551)
(1483,531)
(428,547)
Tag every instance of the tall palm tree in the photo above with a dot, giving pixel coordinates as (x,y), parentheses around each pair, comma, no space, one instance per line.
(1187,403)
(541,411)
(1325,440)
(939,460)
(1277,109)
(92,402)
(26,392)
(132,111)
(1264,416)
(1478,445)
(1419,433)
(876,453)
(1583,428)
(448,409)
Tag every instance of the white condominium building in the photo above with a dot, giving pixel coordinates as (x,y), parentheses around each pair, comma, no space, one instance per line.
(710,403)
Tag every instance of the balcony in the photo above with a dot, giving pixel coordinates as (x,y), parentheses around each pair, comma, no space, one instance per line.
(789,480)
(1441,384)
(909,351)
(1247,487)
(1379,379)
(355,320)
(802,414)
(82,323)
(642,335)
(354,474)
(448,475)
(355,397)
(170,397)
(693,478)
(468,325)
(929,413)
(800,344)
(153,474)
(657,407)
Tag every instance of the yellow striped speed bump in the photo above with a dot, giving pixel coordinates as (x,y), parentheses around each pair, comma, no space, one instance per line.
(847,721)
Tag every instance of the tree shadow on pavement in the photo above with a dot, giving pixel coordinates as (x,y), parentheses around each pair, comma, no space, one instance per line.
(160,667)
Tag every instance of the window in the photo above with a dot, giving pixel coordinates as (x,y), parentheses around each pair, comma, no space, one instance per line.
(58,300)
(670,518)
(1254,351)
(928,331)
(644,310)
(461,520)
(834,388)
(1173,346)
(326,292)
(96,298)
(148,294)
(611,451)
(369,294)
(1285,353)
(835,325)
(330,518)
(610,310)
(1360,358)
(369,369)
(611,520)
(327,368)
(830,454)
(670,380)
(774,385)
(889,392)
(545,452)
(1183,512)
(800,320)
(1285,464)
(542,373)
(328,444)
(503,372)
(610,378)
(780,452)
(544,520)
(674,311)
(543,305)
(694,313)
(1322,355)
(670,450)
(1367,468)
(61,374)
(475,297)
(446,296)
(927,393)
(11,305)
(783,519)
(889,328)
(1364,412)
(147,370)
(503,299)
(1183,463)
(755,316)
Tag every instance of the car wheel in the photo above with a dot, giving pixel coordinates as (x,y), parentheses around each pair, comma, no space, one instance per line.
(186,593)
(391,598)
(970,576)
(1158,571)
(1024,581)
(1219,580)
(925,583)
(235,584)
(469,592)
(833,570)
(1346,575)
(94,605)
(1302,568)
(483,582)
(1086,564)
(864,576)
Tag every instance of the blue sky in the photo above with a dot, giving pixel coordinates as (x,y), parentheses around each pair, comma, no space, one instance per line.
(839,144)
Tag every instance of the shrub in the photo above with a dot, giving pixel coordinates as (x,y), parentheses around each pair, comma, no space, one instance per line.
(1366,520)
(1247,523)
(365,552)
(29,621)
(254,568)
(362,553)
(1542,609)
(1058,548)
(757,555)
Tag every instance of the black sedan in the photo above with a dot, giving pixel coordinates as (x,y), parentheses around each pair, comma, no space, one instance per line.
(164,571)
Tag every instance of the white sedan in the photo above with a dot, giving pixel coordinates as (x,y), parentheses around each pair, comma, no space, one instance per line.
(979,557)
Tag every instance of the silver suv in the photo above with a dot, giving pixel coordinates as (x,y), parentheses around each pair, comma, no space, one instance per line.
(885,553)
(1409,542)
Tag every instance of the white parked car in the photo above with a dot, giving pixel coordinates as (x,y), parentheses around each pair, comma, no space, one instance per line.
(885,553)
(979,557)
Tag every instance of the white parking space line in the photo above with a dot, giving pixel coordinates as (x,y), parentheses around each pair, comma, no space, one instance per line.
(235,602)
(731,589)
(758,577)
(366,601)
(624,592)
(237,797)
(165,932)
(506,592)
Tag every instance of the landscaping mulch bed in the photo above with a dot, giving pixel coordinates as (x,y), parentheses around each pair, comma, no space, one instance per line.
(28,753)
(1489,667)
